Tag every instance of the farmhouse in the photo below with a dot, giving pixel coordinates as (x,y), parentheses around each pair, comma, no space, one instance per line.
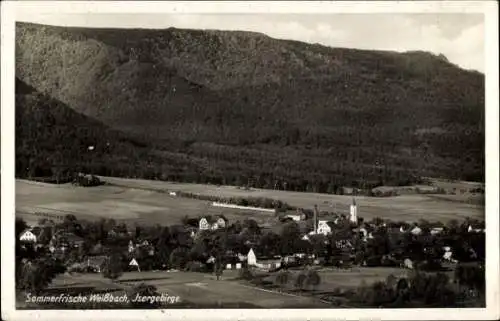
(436,230)
(66,239)
(294,217)
(269,264)
(28,236)
(324,227)
(96,263)
(251,258)
(212,223)
(416,230)
(474,229)
(408,264)
(362,232)
(118,232)
(131,247)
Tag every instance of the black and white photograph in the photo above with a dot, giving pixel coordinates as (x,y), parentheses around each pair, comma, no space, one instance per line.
(317,160)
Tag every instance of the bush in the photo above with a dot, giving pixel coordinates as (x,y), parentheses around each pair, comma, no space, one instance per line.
(143,290)
(196,266)
(313,278)
(300,281)
(420,290)
(179,258)
(113,267)
(472,276)
(282,278)
(87,180)
(246,274)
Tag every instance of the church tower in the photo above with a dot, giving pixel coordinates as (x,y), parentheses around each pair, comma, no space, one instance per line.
(354,212)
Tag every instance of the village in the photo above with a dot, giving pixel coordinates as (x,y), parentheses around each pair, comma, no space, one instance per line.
(302,239)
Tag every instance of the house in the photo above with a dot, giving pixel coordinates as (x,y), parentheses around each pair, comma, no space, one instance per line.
(448,256)
(28,236)
(67,239)
(204,224)
(436,230)
(408,264)
(362,232)
(96,263)
(135,264)
(416,230)
(192,232)
(251,258)
(351,191)
(343,244)
(172,194)
(118,232)
(241,257)
(305,227)
(325,227)
(212,223)
(221,221)
(131,246)
(296,218)
(474,229)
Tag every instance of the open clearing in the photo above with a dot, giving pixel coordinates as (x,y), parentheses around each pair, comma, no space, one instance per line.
(335,279)
(404,207)
(204,290)
(195,288)
(127,204)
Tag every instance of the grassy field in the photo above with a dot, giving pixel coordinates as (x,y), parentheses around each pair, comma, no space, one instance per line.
(195,288)
(204,290)
(141,201)
(404,207)
(119,203)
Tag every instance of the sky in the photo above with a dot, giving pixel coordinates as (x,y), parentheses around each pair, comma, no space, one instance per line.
(458,36)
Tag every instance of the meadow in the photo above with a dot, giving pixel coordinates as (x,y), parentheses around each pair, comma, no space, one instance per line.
(148,202)
(131,205)
(193,289)
(410,207)
(199,289)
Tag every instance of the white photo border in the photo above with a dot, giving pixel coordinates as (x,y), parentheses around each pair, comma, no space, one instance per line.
(8,18)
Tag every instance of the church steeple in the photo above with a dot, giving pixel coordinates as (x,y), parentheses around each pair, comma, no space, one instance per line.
(353,211)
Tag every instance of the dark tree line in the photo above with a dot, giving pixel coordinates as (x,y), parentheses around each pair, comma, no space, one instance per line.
(53,141)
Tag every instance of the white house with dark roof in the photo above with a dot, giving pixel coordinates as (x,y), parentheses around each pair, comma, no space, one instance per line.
(212,223)
(324,227)
(294,217)
(204,225)
(416,230)
(436,230)
(474,229)
(28,236)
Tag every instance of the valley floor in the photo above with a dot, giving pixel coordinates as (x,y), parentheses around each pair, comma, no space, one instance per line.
(147,202)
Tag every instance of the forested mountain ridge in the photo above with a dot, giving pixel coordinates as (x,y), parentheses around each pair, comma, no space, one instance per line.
(54,140)
(247,105)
